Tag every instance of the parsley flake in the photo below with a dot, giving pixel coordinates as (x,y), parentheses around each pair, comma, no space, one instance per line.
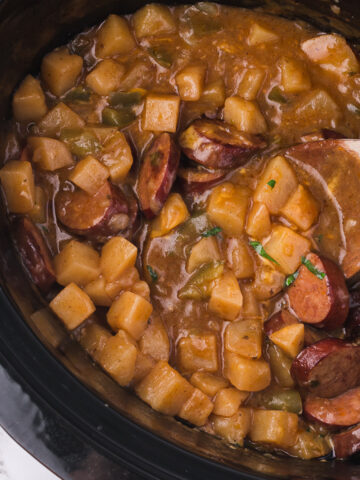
(154,276)
(260,250)
(312,268)
(212,232)
(271,183)
(291,279)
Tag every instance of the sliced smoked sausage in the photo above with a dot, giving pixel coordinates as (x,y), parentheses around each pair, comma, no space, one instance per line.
(347,443)
(198,180)
(279,320)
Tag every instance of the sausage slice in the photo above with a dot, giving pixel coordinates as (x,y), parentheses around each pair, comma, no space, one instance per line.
(347,443)
(328,368)
(34,253)
(278,321)
(194,180)
(320,301)
(216,144)
(157,174)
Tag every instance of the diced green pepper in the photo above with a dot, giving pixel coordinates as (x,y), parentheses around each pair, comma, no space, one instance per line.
(276,96)
(204,25)
(118,118)
(199,285)
(280,366)
(126,99)
(161,55)
(78,95)
(278,399)
(80,142)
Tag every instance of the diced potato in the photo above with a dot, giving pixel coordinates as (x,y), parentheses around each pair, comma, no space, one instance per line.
(60,70)
(197,408)
(118,357)
(198,351)
(238,258)
(72,305)
(301,209)
(97,292)
(316,109)
(268,281)
(117,157)
(214,93)
(258,223)
(190,82)
(114,37)
(164,389)
(141,74)
(244,338)
(251,307)
(125,282)
(274,427)
(259,35)
(59,117)
(234,429)
(332,53)
(294,76)
(208,383)
(204,251)
(244,115)
(250,83)
(228,401)
(153,19)
(226,298)
(173,213)
(143,366)
(155,340)
(29,103)
(276,184)
(227,207)
(290,339)
(17,180)
(89,174)
(102,134)
(38,213)
(77,263)
(141,288)
(247,374)
(49,327)
(309,444)
(93,338)
(287,247)
(50,154)
(117,255)
(105,77)
(161,112)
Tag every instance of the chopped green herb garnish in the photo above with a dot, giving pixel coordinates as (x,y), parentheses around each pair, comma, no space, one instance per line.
(260,250)
(45,229)
(154,276)
(212,232)
(276,96)
(271,183)
(154,158)
(291,279)
(319,237)
(312,268)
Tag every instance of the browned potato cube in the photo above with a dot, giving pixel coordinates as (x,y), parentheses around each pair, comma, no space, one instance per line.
(164,389)
(89,174)
(161,112)
(60,70)
(208,383)
(143,366)
(105,77)
(301,209)
(226,298)
(259,35)
(244,338)
(268,281)
(114,37)
(251,307)
(316,109)
(59,117)
(125,282)
(198,352)
(234,429)
(72,305)
(29,103)
(49,327)
(17,180)
(173,213)
(247,374)
(258,223)
(250,83)
(238,258)
(117,157)
(190,82)
(245,115)
(153,19)
(294,76)
(228,401)
(117,255)
(274,427)
(93,338)
(204,251)
(77,263)
(197,408)
(131,313)
(118,357)
(290,339)
(155,340)
(141,288)
(50,154)
(38,213)
(214,93)
(97,292)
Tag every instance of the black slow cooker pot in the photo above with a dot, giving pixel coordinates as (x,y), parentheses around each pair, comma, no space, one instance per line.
(53,401)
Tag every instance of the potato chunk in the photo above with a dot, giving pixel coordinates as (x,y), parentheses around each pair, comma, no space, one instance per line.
(77,263)
(234,429)
(153,19)
(214,93)
(125,282)
(238,258)
(198,351)
(294,76)
(29,103)
(173,213)
(274,427)
(290,339)
(118,358)
(190,82)
(131,313)
(251,308)
(117,157)
(59,117)
(316,109)
(60,70)
(301,209)
(161,112)
(114,37)
(287,247)
(208,383)
(227,207)
(268,281)
(97,292)
(276,184)
(226,298)
(244,115)
(117,255)
(164,389)
(204,251)
(245,338)
(259,35)
(17,180)
(72,305)
(50,154)
(144,365)
(258,223)
(155,340)
(89,175)
(197,408)
(250,83)
(105,77)
(228,401)
(38,213)
(93,338)
(247,374)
